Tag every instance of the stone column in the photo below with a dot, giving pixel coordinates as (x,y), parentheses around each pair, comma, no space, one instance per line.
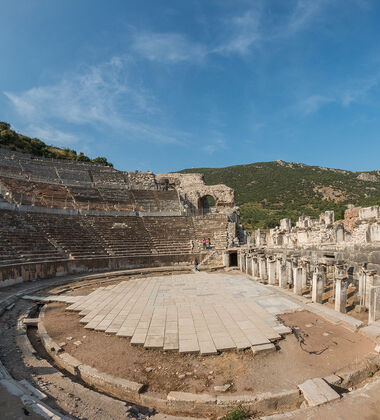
(271,271)
(283,276)
(241,261)
(262,269)
(255,268)
(304,275)
(341,294)
(362,287)
(297,279)
(246,263)
(369,282)
(289,271)
(226,259)
(322,270)
(374,304)
(278,267)
(317,288)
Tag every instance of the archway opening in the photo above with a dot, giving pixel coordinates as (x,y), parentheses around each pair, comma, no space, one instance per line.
(206,204)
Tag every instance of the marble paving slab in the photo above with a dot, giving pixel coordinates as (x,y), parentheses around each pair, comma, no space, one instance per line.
(188,313)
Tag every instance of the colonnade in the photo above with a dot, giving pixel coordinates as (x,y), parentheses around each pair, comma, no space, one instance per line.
(321,279)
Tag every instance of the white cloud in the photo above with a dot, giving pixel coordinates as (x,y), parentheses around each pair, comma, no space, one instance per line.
(239,33)
(168,47)
(216,141)
(358,90)
(242,33)
(103,97)
(303,13)
(313,103)
(351,92)
(51,135)
(234,34)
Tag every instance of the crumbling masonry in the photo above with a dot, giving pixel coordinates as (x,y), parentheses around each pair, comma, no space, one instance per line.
(338,262)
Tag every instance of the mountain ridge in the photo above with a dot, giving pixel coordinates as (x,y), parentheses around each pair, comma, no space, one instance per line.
(269,191)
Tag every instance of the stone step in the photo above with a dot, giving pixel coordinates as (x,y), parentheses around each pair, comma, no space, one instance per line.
(316,392)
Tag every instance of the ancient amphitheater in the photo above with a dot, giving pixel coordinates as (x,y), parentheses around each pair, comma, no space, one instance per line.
(104,317)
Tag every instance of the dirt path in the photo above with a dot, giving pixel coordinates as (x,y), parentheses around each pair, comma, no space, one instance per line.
(326,348)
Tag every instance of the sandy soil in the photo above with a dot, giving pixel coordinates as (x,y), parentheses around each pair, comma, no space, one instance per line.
(318,348)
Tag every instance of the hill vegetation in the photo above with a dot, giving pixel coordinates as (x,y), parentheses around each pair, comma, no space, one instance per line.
(269,191)
(36,147)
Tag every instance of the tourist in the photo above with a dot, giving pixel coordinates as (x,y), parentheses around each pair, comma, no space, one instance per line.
(196,264)
(204,243)
(208,243)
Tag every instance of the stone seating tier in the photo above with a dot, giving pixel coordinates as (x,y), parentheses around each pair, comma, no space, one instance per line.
(21,241)
(123,235)
(29,237)
(44,194)
(38,193)
(82,186)
(74,176)
(107,176)
(117,197)
(39,172)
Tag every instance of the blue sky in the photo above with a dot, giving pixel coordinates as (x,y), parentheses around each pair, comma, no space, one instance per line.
(165,85)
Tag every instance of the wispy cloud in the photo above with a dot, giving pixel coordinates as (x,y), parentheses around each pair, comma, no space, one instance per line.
(52,135)
(242,33)
(215,142)
(351,92)
(168,47)
(102,97)
(303,13)
(357,90)
(234,35)
(313,103)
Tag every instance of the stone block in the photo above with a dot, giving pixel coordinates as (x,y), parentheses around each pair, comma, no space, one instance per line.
(316,392)
(333,379)
(192,398)
(263,348)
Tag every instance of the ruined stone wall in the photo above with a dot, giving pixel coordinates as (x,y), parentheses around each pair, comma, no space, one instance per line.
(353,242)
(351,216)
(360,227)
(141,180)
(192,189)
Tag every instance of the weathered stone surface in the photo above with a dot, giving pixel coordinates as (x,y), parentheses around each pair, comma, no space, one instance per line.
(229,316)
(263,348)
(189,397)
(222,388)
(316,392)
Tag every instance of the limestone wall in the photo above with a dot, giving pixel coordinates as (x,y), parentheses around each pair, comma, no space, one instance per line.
(192,189)
(323,258)
(360,227)
(13,274)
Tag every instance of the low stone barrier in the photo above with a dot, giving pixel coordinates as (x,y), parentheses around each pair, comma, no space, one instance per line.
(177,403)
(18,273)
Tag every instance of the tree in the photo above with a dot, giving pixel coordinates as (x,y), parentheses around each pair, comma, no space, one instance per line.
(4,126)
(102,161)
(83,158)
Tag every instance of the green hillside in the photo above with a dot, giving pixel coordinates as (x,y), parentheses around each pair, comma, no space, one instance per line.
(12,140)
(269,191)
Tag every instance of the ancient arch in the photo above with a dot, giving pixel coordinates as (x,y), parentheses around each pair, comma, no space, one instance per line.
(206,203)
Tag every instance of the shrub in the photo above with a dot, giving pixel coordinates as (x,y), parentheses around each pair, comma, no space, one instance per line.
(238,413)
